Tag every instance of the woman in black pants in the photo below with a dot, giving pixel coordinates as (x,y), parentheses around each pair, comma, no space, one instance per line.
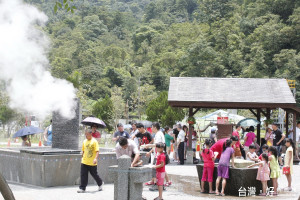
(180,143)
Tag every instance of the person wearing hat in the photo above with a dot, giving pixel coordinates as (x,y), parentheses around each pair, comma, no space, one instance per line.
(120,133)
(269,136)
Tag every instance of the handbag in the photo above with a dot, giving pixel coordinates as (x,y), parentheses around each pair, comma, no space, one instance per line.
(286,170)
(269,143)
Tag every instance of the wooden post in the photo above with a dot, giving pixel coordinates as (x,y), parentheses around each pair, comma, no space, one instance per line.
(268,114)
(258,126)
(190,130)
(286,123)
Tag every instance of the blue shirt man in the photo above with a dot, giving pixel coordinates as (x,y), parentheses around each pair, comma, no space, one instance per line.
(120,133)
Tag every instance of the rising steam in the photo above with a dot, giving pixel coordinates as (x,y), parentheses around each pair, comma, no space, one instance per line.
(24,65)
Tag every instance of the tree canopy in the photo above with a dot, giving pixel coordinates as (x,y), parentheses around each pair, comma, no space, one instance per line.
(137,45)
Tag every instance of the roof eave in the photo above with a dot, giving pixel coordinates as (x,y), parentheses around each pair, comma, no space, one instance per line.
(230,105)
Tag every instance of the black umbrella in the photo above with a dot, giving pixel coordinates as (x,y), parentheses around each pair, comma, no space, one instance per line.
(90,121)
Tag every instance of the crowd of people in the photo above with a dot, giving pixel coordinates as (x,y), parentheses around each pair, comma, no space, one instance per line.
(268,158)
(158,145)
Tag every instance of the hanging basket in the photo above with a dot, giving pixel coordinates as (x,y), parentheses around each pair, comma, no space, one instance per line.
(191,120)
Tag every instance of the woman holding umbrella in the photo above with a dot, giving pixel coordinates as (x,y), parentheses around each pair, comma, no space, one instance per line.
(26,141)
(24,134)
(95,123)
(95,133)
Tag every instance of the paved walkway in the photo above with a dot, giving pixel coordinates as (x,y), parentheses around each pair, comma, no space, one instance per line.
(185,186)
(185,179)
(22,192)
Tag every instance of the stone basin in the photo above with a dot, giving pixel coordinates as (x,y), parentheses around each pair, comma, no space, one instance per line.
(239,178)
(240,163)
(128,181)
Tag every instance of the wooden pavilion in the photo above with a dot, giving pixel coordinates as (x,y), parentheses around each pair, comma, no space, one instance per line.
(260,96)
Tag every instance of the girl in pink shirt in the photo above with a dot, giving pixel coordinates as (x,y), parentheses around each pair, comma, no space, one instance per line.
(208,168)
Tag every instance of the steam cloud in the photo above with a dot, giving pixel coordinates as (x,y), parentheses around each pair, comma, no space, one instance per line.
(24,64)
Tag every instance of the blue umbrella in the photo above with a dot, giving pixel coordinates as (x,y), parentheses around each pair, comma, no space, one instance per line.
(28,130)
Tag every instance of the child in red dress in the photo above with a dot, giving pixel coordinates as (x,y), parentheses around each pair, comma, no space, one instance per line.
(208,158)
(160,169)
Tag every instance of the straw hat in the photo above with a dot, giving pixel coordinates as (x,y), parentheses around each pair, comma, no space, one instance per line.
(270,127)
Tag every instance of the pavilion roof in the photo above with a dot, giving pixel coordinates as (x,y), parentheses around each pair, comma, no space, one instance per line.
(244,93)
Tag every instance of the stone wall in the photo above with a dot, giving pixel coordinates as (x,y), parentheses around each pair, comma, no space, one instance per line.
(51,170)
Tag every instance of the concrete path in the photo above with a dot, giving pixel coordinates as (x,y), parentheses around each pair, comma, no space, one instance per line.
(185,186)
(185,179)
(23,192)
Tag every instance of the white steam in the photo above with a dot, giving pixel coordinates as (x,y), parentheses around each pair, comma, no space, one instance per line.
(23,63)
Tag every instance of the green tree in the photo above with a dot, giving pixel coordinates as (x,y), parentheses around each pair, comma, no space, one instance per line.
(104,110)
(93,27)
(144,33)
(130,86)
(118,102)
(287,64)
(202,60)
(75,78)
(159,110)
(115,77)
(257,67)
(150,12)
(142,97)
(7,115)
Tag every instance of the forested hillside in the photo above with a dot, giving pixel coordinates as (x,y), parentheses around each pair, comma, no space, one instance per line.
(124,51)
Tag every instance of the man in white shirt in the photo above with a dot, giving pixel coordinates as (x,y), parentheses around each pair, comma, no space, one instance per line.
(180,144)
(133,134)
(129,148)
(159,137)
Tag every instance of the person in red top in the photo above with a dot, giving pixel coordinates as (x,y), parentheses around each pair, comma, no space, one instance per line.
(95,133)
(209,165)
(236,147)
(236,133)
(160,168)
(218,146)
